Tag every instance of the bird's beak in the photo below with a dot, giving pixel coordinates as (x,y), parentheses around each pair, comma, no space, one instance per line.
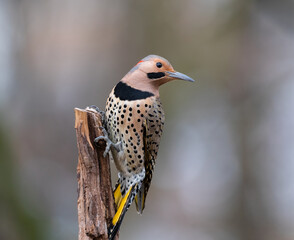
(181,76)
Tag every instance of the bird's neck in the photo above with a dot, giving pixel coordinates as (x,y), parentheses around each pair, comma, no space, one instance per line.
(138,80)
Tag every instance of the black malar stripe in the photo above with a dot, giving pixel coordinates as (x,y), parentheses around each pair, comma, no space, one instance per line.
(154,75)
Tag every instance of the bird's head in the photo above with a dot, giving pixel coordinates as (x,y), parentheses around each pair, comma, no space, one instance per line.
(151,72)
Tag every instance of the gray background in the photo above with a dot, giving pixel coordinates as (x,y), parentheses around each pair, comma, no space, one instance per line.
(226,162)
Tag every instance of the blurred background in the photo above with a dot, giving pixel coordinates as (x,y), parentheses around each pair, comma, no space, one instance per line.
(225,169)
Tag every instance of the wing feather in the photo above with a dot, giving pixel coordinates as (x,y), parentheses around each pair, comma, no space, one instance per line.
(153,127)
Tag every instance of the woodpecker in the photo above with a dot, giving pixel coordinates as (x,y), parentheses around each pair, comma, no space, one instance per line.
(134,120)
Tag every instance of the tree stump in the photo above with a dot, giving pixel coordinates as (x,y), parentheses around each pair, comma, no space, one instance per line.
(95,198)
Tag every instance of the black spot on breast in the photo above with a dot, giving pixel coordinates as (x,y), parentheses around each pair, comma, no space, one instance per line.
(125,92)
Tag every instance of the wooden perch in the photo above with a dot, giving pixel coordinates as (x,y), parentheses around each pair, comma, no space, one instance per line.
(95,199)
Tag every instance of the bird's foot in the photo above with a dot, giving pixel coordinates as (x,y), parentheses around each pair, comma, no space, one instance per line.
(109,143)
(97,109)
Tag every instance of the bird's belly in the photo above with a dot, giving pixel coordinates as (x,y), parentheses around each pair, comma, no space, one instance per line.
(120,162)
(125,124)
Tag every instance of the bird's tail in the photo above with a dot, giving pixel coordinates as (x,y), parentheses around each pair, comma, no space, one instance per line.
(140,199)
(123,203)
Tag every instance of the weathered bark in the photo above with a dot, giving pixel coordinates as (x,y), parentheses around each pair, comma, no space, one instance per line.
(95,198)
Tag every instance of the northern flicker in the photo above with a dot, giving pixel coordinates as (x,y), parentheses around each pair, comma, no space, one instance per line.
(134,120)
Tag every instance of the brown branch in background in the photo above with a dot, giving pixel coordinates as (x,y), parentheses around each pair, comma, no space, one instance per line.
(95,198)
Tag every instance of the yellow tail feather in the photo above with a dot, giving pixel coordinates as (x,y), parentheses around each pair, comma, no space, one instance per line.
(123,203)
(117,196)
(121,207)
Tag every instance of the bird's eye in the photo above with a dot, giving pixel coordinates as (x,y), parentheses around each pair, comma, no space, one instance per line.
(159,64)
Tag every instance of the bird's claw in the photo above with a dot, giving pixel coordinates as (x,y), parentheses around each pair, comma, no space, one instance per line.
(104,131)
(109,143)
(97,109)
